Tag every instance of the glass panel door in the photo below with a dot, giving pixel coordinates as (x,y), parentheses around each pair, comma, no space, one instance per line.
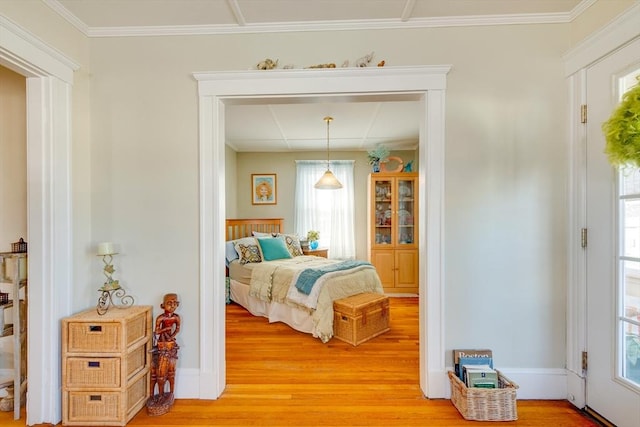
(406,233)
(383,212)
(612,257)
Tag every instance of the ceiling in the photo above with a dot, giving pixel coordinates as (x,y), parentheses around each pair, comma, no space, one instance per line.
(282,126)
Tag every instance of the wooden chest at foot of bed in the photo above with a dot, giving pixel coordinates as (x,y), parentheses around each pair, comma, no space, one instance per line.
(359,318)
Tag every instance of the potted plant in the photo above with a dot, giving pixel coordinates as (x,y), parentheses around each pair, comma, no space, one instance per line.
(312,237)
(377,155)
(622,130)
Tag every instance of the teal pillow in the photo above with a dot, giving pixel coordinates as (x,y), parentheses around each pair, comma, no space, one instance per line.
(273,248)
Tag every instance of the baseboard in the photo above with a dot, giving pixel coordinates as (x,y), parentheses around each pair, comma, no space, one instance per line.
(546,384)
(543,384)
(187,384)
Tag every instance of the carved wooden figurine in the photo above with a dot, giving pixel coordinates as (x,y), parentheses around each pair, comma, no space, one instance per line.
(164,356)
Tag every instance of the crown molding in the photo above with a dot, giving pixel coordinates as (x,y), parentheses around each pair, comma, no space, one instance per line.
(57,7)
(622,30)
(404,22)
(580,8)
(347,25)
(25,51)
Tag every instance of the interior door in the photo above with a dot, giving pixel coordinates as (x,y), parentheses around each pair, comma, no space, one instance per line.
(613,211)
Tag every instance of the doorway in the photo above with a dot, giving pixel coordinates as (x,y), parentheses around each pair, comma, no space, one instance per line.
(49,208)
(218,89)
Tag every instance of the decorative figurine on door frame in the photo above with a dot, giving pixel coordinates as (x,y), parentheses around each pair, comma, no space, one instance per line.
(164,356)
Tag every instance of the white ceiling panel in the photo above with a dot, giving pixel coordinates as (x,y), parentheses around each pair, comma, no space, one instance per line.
(145,13)
(256,11)
(355,126)
(440,8)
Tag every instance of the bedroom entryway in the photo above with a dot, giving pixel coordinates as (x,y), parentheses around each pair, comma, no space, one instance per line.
(426,85)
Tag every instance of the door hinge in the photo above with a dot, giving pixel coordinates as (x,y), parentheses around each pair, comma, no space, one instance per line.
(583,237)
(584,361)
(583,113)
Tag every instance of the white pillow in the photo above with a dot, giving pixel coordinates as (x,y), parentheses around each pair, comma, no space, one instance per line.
(230,252)
(261,234)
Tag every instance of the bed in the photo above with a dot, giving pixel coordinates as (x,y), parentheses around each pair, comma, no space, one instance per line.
(299,289)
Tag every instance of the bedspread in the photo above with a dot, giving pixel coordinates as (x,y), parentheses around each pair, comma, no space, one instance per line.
(273,280)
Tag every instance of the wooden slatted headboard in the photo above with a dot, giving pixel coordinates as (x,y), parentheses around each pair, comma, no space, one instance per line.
(238,228)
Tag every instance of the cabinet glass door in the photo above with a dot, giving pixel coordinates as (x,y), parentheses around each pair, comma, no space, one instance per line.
(384,220)
(405,212)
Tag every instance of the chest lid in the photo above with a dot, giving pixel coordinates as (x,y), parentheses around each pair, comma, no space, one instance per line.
(357,304)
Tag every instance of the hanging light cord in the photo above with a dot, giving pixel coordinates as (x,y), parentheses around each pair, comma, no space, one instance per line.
(328,119)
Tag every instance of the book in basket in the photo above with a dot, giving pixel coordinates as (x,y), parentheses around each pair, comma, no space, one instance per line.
(479,359)
(480,376)
(457,353)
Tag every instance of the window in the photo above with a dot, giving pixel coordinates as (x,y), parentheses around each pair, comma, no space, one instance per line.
(331,212)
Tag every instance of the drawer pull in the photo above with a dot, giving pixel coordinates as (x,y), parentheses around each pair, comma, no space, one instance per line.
(95,397)
(93,364)
(95,328)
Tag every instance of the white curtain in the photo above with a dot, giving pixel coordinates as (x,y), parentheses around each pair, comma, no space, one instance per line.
(331,212)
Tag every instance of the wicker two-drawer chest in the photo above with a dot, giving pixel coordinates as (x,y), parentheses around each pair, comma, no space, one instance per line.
(105,366)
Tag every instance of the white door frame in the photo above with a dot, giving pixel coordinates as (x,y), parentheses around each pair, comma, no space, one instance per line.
(49,77)
(428,85)
(616,34)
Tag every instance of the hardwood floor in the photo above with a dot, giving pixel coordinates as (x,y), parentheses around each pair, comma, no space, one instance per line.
(280,377)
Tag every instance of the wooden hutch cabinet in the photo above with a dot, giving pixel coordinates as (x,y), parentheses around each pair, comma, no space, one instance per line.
(393,230)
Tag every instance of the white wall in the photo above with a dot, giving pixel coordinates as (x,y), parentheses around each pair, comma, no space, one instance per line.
(135,164)
(231,179)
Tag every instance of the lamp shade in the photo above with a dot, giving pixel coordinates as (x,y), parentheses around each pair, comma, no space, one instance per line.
(106,248)
(328,181)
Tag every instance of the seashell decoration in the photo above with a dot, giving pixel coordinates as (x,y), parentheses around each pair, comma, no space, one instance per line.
(267,64)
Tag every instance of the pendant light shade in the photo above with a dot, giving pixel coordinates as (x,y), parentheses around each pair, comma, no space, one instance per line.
(328,181)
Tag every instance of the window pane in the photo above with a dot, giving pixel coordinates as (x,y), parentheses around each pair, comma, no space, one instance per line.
(632,358)
(631,321)
(630,181)
(631,221)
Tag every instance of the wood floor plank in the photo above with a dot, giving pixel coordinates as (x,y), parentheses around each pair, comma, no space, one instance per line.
(279,377)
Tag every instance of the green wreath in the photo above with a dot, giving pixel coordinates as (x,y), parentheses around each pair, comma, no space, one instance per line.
(622,130)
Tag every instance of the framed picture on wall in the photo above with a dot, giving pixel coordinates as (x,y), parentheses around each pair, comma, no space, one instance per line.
(264,189)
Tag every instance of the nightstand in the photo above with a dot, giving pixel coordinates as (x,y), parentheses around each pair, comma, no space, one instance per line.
(323,252)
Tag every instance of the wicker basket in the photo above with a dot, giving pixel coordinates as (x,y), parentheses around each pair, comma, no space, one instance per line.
(360,317)
(485,404)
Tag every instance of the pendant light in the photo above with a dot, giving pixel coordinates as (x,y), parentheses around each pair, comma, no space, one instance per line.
(328,181)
